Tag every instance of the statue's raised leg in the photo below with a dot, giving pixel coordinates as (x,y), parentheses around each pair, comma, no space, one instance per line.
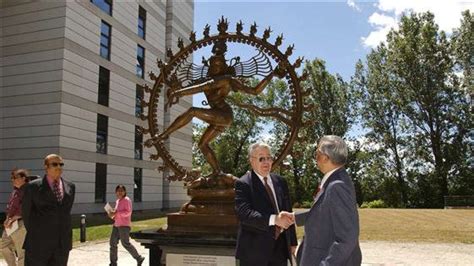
(179,122)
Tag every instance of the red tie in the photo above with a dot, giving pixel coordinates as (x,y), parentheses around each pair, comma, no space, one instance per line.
(316,191)
(56,191)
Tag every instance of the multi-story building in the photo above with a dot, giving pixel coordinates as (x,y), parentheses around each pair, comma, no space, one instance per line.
(70,73)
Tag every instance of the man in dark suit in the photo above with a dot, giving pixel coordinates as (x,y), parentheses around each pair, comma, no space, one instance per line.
(46,212)
(331,226)
(266,235)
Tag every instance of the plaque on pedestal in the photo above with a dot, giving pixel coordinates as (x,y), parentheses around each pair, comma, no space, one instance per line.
(162,243)
(205,229)
(199,260)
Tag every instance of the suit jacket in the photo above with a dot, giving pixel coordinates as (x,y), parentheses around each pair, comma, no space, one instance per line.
(253,207)
(48,223)
(332,225)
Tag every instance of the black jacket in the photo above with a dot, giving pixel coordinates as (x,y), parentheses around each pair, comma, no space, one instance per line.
(253,207)
(47,222)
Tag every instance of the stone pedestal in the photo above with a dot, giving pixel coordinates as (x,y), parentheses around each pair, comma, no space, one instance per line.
(187,249)
(203,232)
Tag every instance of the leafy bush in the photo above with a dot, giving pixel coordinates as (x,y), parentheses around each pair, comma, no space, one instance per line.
(304,204)
(374,204)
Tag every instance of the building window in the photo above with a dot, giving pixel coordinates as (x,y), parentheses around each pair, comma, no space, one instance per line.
(141,22)
(102,129)
(138,143)
(105,31)
(100,182)
(140,61)
(104,86)
(138,99)
(105,5)
(137,188)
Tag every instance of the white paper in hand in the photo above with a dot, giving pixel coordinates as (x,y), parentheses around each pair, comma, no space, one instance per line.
(12,228)
(108,208)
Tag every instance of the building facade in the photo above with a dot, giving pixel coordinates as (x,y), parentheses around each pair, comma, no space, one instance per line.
(70,78)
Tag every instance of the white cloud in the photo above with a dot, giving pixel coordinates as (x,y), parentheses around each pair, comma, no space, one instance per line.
(447,16)
(382,24)
(352,4)
(378,19)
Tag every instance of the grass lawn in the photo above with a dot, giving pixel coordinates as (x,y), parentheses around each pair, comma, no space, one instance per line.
(99,226)
(400,225)
(102,232)
(417,225)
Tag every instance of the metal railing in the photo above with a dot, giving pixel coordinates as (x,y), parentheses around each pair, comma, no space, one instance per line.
(459,202)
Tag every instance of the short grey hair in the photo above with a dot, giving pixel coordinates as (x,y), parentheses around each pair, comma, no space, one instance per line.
(257,145)
(335,148)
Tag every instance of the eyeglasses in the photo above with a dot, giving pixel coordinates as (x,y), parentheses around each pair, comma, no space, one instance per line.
(264,159)
(56,164)
(15,177)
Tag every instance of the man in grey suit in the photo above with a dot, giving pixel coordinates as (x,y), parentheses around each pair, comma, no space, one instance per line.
(331,226)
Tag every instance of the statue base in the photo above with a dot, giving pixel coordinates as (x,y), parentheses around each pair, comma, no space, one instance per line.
(170,248)
(203,231)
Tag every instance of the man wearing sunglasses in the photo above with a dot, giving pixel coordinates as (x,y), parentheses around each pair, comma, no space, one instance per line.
(266,233)
(46,212)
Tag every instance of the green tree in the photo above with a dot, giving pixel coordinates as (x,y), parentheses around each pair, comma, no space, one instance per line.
(463,46)
(378,107)
(330,113)
(416,108)
(420,58)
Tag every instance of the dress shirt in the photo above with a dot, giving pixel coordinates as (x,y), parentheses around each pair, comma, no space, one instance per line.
(327,175)
(271,221)
(60,185)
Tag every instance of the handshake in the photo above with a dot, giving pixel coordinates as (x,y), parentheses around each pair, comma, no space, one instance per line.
(285,219)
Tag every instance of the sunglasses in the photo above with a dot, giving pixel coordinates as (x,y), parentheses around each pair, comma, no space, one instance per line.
(56,164)
(265,159)
(15,177)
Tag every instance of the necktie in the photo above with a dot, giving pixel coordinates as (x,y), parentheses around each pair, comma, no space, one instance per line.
(56,191)
(316,191)
(272,199)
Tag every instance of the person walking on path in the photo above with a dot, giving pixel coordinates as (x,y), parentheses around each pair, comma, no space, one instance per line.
(122,216)
(13,243)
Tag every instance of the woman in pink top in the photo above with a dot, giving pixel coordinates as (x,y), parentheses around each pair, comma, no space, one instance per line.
(122,215)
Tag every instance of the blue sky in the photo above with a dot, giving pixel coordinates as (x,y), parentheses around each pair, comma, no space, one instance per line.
(330,31)
(339,32)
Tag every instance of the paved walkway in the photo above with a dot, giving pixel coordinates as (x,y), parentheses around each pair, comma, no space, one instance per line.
(389,253)
(374,253)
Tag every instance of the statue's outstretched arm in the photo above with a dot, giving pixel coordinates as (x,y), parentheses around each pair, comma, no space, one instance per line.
(174,95)
(280,71)
(192,89)
(238,85)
